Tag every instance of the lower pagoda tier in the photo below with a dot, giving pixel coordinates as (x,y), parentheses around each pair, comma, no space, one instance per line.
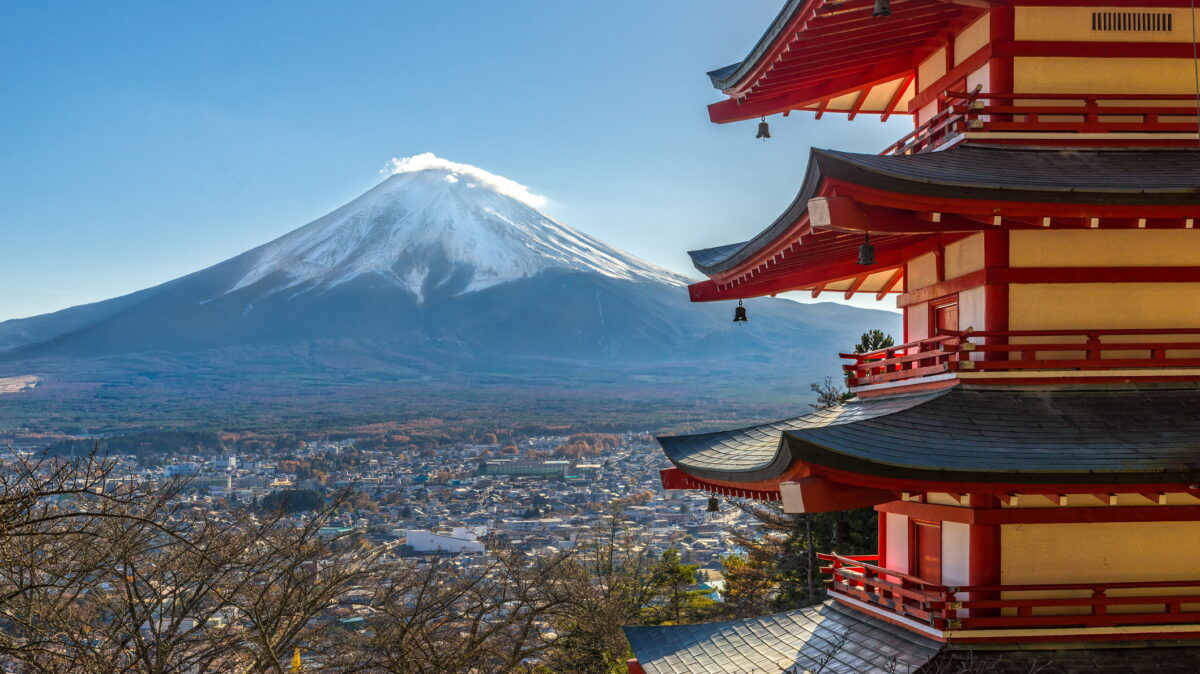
(832,639)
(1005,514)
(964,439)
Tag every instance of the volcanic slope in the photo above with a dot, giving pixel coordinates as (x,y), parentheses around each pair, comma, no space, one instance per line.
(441,268)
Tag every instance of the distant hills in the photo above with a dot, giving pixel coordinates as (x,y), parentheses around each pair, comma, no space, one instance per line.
(445,276)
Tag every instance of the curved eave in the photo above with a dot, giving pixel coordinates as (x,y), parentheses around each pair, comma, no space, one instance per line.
(765,471)
(973,179)
(819,459)
(713,261)
(836,56)
(986,439)
(757,453)
(729,76)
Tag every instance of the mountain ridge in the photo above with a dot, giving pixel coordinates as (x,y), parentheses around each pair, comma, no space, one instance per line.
(441,271)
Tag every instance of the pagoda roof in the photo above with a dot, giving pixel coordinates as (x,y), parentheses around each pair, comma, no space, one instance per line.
(1145,435)
(1122,177)
(833,55)
(829,637)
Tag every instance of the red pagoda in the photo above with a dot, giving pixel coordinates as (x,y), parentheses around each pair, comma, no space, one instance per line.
(1033,447)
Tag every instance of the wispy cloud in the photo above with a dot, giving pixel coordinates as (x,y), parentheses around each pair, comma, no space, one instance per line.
(428,160)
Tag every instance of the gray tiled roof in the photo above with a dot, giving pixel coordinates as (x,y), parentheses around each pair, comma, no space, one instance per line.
(757,452)
(1111,435)
(1164,176)
(708,256)
(1072,175)
(723,78)
(830,638)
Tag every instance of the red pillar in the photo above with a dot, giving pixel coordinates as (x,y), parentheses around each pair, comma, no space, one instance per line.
(1000,68)
(995,295)
(984,555)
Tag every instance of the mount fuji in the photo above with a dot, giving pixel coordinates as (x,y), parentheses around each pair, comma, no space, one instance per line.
(442,270)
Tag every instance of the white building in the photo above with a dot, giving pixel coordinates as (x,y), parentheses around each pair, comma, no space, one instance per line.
(459,540)
(177,469)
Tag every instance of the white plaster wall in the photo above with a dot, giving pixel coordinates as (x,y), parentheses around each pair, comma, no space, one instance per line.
(897,543)
(956,553)
(916,319)
(970,309)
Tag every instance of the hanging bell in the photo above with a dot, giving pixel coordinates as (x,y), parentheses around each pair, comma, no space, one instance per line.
(739,313)
(764,129)
(883,8)
(713,506)
(866,252)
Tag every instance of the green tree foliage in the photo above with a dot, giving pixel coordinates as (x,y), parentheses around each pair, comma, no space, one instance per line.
(613,579)
(781,558)
(829,393)
(680,599)
(780,568)
(749,586)
(291,501)
(873,340)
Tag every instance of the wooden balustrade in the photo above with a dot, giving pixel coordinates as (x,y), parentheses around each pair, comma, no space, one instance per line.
(994,606)
(1011,350)
(1027,115)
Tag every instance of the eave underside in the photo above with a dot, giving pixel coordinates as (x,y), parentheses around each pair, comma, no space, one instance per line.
(833,55)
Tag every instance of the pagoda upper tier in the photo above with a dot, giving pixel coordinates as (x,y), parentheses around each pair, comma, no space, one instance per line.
(918,204)
(1008,71)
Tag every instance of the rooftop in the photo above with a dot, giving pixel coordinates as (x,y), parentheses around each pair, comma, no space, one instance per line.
(1150,177)
(829,638)
(1103,435)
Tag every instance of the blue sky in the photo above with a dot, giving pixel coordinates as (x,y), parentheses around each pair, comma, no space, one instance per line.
(146,140)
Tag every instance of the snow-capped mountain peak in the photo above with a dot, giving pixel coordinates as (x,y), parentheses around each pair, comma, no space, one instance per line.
(435,225)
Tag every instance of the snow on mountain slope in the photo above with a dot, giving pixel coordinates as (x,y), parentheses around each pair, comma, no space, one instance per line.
(437,225)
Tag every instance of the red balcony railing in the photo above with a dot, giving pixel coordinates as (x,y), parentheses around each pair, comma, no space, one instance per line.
(1027,350)
(968,607)
(1025,116)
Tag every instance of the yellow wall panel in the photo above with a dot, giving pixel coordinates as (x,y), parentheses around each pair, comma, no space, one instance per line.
(972,38)
(1061,75)
(964,257)
(1103,552)
(1104,248)
(920,272)
(931,68)
(1074,24)
(1068,306)
(943,499)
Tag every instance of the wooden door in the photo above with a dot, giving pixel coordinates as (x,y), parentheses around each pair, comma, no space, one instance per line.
(927,551)
(945,317)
